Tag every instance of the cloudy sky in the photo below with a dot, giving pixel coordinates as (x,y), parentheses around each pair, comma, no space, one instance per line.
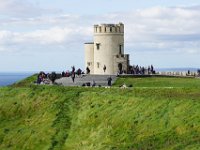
(49,35)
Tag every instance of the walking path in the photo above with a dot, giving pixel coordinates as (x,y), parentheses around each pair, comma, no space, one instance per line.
(79,81)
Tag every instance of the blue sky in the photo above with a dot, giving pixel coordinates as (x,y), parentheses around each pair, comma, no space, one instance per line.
(49,35)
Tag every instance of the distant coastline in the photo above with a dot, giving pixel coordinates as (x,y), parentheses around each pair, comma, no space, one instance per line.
(8,78)
(177,69)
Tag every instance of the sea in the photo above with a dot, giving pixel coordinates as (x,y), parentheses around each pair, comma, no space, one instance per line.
(8,78)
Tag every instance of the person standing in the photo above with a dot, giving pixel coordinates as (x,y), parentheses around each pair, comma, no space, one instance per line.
(109,81)
(93,83)
(73,69)
(104,68)
(87,70)
(73,76)
(53,77)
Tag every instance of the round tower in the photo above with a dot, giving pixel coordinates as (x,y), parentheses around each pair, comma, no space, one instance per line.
(89,56)
(108,44)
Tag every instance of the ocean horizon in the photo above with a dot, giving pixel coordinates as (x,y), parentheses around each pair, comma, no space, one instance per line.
(8,78)
(178,69)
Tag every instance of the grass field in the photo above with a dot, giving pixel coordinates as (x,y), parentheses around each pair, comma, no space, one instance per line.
(73,118)
(159,82)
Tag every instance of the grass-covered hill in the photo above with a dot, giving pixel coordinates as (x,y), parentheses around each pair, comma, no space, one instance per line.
(157,113)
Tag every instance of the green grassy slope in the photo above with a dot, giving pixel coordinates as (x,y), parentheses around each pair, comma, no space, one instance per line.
(69,118)
(30,117)
(159,82)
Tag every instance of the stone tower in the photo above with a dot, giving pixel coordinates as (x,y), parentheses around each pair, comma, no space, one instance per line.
(106,54)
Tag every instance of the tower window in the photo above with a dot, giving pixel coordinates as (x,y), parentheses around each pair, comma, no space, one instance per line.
(120,49)
(98,46)
(98,64)
(89,63)
(110,29)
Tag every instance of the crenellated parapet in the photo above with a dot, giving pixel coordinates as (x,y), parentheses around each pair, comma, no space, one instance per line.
(109,28)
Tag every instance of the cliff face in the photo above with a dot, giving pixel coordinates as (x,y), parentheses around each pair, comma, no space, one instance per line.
(53,117)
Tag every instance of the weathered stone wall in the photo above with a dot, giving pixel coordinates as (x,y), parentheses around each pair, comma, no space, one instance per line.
(121,59)
(109,37)
(108,43)
(177,73)
(89,56)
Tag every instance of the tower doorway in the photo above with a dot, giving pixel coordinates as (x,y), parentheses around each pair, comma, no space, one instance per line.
(120,68)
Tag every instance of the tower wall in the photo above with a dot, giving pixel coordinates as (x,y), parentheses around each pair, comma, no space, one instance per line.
(89,56)
(108,43)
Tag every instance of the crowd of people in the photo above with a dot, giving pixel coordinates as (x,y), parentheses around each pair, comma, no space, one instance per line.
(48,78)
(77,72)
(140,70)
(44,78)
(73,73)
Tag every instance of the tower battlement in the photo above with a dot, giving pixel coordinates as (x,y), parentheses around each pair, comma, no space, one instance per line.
(109,28)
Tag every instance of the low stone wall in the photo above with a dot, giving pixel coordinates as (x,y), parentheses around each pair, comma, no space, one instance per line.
(184,73)
(157,75)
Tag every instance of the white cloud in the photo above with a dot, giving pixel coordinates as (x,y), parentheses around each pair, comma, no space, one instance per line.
(152,25)
(41,40)
(2,49)
(172,30)
(22,8)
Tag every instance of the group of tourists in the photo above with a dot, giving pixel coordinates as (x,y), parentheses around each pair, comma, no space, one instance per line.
(140,70)
(48,78)
(73,73)
(43,78)
(77,72)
